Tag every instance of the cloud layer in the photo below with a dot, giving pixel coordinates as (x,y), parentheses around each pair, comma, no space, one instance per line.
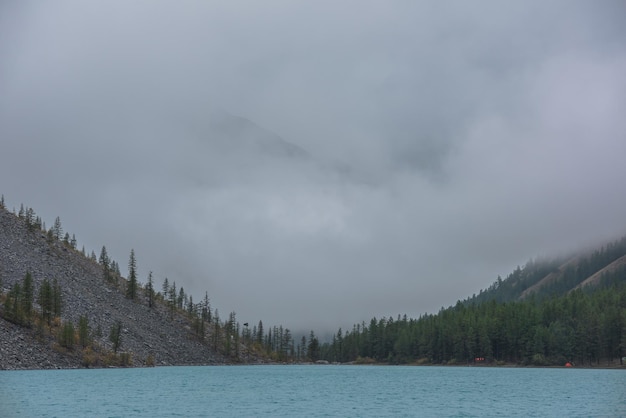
(443,143)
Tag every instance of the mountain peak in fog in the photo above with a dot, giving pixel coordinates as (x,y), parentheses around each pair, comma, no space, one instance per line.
(236,134)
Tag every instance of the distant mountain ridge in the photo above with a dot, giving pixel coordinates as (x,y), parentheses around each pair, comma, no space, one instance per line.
(558,276)
(237,134)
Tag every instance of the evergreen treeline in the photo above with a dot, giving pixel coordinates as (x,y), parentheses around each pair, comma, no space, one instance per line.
(583,327)
(568,277)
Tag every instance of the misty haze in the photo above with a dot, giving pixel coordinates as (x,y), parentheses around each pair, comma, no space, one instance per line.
(316,165)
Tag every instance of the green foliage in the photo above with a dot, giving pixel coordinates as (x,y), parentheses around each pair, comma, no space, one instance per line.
(566,275)
(84,338)
(580,327)
(313,348)
(18,307)
(13,304)
(27,297)
(115,336)
(150,362)
(57,298)
(67,335)
(57,229)
(131,289)
(150,290)
(105,262)
(46,301)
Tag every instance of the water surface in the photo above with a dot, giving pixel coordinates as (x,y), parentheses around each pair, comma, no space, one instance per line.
(315,391)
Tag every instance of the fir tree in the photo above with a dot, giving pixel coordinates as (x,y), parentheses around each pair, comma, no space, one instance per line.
(150,290)
(165,288)
(115,336)
(27,297)
(105,262)
(131,290)
(67,335)
(313,348)
(57,299)
(57,229)
(83,331)
(206,308)
(45,300)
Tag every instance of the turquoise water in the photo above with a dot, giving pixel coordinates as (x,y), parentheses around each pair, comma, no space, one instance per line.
(318,391)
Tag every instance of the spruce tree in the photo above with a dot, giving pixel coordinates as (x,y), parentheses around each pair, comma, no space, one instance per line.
(115,336)
(150,290)
(57,299)
(45,301)
(67,335)
(105,262)
(172,299)
(165,288)
(83,331)
(57,229)
(131,290)
(206,308)
(313,348)
(27,297)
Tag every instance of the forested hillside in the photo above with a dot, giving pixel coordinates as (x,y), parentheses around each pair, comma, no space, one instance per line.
(547,313)
(553,277)
(63,307)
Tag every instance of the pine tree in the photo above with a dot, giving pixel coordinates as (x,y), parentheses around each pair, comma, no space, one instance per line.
(206,308)
(313,348)
(29,218)
(190,306)
(27,297)
(13,304)
(83,331)
(181,298)
(45,301)
(57,299)
(150,290)
(67,335)
(171,301)
(131,290)
(259,335)
(115,336)
(57,229)
(165,288)
(105,262)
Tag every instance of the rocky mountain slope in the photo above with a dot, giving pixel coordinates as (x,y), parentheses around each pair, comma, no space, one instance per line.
(151,335)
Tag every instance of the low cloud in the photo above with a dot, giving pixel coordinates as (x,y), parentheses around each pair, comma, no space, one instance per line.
(317,165)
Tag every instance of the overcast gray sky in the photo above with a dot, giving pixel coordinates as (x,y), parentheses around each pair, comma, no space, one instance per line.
(446,143)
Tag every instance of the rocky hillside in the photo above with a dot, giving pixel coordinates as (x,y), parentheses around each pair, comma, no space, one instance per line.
(150,335)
